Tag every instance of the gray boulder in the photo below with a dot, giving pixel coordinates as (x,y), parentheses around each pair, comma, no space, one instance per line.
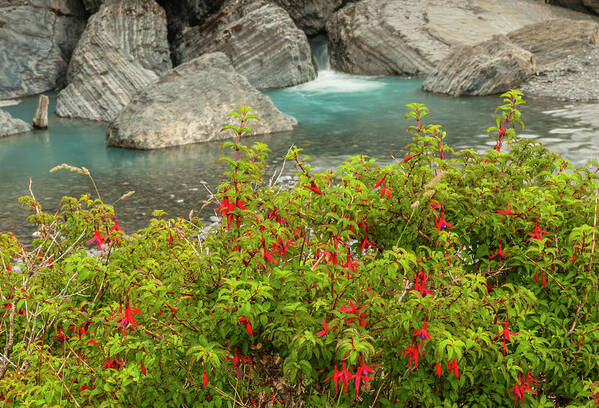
(123,49)
(37,38)
(11,126)
(311,15)
(261,40)
(552,41)
(190,105)
(408,37)
(488,68)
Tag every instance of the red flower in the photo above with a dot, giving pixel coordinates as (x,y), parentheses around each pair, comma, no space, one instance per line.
(248,326)
(350,264)
(366,244)
(423,333)
(114,364)
(506,212)
(116,226)
(314,187)
(438,368)
(237,360)
(500,254)
(536,234)
(517,393)
(505,333)
(453,365)
(126,319)
(441,223)
(269,258)
(143,369)
(98,239)
(93,342)
(362,375)
(334,376)
(325,329)
(61,336)
(354,310)
(413,354)
(205,377)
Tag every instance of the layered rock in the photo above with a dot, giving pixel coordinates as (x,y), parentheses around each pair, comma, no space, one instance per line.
(408,37)
(586,6)
(11,126)
(311,15)
(92,6)
(37,38)
(491,67)
(182,14)
(261,40)
(190,105)
(554,40)
(123,49)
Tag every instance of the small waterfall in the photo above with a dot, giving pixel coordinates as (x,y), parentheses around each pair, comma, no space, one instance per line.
(330,81)
(320,52)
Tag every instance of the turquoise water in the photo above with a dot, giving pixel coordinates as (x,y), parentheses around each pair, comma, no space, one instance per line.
(339,116)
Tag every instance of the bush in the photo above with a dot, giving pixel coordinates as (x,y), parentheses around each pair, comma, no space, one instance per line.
(444,279)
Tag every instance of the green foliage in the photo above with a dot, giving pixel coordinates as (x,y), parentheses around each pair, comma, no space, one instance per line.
(460,281)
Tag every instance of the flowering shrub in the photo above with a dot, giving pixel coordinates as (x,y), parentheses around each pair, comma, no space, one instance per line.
(444,279)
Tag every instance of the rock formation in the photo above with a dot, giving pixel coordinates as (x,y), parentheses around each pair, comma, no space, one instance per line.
(261,40)
(37,38)
(554,40)
(311,15)
(190,105)
(408,37)
(11,126)
(491,67)
(506,62)
(40,119)
(182,14)
(92,6)
(586,6)
(124,48)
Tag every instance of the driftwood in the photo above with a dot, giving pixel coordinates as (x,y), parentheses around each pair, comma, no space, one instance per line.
(40,119)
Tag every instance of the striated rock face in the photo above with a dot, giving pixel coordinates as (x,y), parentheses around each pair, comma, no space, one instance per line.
(124,48)
(11,126)
(408,37)
(311,15)
(491,67)
(92,6)
(586,6)
(182,14)
(37,38)
(190,105)
(554,40)
(261,40)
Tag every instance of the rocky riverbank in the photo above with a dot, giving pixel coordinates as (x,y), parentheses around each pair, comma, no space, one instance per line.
(575,78)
